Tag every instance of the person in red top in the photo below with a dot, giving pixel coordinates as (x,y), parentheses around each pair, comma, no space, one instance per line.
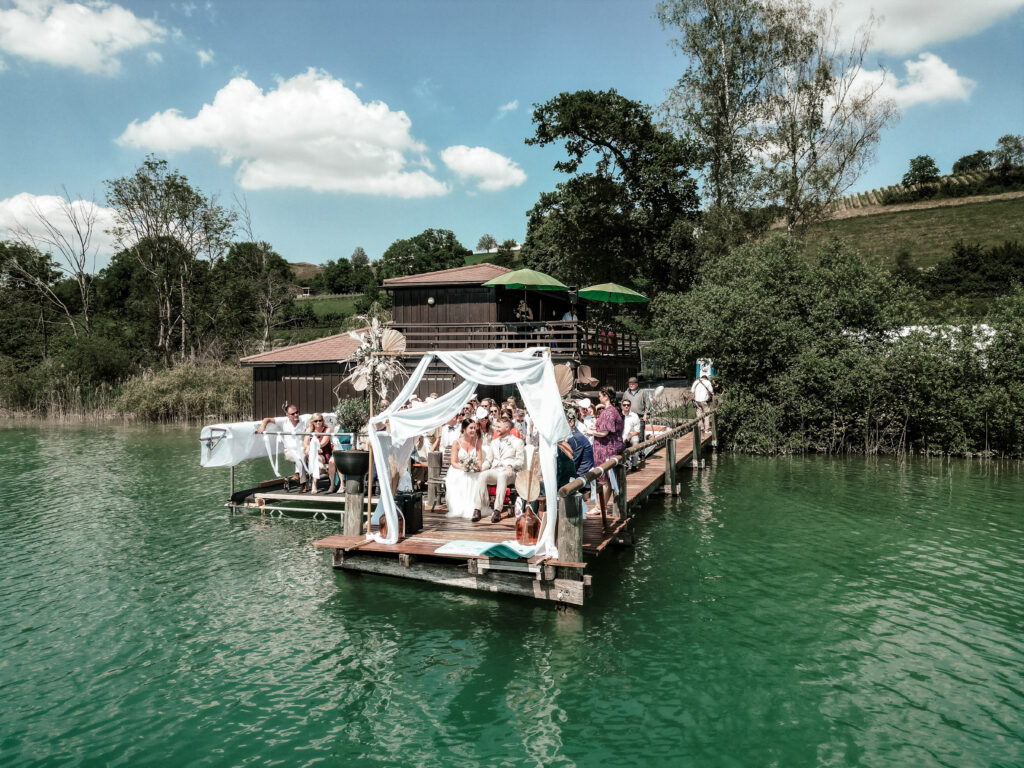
(325,457)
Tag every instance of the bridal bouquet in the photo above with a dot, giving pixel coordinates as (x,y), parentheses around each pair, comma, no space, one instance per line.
(471,464)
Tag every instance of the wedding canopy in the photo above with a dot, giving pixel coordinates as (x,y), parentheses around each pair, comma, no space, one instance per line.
(531,370)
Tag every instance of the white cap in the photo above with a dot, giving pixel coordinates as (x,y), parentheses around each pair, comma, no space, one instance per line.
(584,403)
(482,413)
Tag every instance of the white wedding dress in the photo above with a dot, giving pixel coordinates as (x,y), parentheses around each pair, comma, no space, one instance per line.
(463,491)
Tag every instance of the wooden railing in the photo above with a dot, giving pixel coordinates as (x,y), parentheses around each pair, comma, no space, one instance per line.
(570,339)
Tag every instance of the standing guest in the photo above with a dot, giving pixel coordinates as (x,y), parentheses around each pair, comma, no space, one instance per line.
(641,406)
(570,316)
(607,436)
(462,486)
(321,458)
(630,431)
(291,424)
(703,390)
(508,456)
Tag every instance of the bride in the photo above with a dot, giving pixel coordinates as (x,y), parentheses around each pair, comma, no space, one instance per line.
(462,486)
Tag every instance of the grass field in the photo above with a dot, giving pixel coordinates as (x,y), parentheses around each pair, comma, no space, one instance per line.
(928,235)
(340,304)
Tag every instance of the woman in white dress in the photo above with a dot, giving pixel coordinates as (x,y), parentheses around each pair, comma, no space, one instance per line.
(462,486)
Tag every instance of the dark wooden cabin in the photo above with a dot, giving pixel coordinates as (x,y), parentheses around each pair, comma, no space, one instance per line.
(448,309)
(453,309)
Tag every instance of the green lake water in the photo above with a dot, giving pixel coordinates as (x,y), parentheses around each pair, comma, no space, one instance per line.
(780,612)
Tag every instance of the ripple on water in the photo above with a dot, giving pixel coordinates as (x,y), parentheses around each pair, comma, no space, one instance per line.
(786,611)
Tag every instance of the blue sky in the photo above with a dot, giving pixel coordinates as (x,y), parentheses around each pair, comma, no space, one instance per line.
(351,124)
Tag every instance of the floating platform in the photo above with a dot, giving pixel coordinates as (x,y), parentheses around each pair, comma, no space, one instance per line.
(580,540)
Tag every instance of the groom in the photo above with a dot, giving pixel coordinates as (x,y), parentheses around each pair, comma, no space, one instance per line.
(508,456)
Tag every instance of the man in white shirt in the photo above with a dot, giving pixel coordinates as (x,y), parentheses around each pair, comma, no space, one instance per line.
(570,316)
(630,431)
(703,390)
(507,457)
(449,434)
(292,425)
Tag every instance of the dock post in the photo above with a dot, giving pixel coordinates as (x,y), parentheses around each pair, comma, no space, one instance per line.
(621,504)
(433,473)
(670,466)
(353,506)
(714,431)
(698,437)
(569,534)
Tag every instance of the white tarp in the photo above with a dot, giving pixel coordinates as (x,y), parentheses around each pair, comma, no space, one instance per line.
(225,445)
(535,377)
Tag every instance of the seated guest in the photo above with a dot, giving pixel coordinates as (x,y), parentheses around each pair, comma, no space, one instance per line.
(582,450)
(630,431)
(520,423)
(448,434)
(323,447)
(508,456)
(483,422)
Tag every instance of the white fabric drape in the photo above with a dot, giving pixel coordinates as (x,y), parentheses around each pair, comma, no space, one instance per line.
(535,377)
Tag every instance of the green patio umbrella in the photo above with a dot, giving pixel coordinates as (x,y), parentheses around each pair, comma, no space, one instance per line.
(528,278)
(613,293)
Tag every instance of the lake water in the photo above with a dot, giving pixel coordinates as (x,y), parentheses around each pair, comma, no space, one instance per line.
(781,612)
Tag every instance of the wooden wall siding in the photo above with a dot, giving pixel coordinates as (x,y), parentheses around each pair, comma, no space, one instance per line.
(452,304)
(311,387)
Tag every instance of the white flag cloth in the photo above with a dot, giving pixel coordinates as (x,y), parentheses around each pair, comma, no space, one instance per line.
(532,373)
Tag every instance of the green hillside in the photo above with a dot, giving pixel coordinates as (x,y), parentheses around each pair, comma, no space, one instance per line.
(927,234)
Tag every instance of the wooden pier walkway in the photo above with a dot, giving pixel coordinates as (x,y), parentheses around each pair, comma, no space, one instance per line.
(580,539)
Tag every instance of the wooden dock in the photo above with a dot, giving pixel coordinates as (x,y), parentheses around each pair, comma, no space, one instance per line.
(580,539)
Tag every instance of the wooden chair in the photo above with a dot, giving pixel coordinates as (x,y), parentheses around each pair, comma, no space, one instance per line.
(446,462)
(584,377)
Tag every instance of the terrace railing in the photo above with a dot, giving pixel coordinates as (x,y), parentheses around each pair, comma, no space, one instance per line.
(565,338)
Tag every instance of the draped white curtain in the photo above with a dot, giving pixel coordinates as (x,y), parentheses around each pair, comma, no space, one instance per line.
(535,377)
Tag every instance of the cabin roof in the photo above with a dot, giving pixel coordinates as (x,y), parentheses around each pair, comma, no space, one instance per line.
(475,274)
(329,349)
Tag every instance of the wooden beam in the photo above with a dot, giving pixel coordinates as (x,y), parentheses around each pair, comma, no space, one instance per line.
(525,585)
(569,534)
(698,442)
(622,497)
(433,473)
(670,468)
(353,525)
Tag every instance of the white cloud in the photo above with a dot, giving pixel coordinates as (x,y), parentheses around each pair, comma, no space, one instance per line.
(504,109)
(493,171)
(88,37)
(154,57)
(929,80)
(907,26)
(21,214)
(310,132)
(205,57)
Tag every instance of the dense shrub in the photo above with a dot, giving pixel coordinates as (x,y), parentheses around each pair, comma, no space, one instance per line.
(211,391)
(811,358)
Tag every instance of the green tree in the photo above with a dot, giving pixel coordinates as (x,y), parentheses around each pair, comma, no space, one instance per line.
(431,250)
(337,276)
(923,170)
(822,120)
(359,257)
(486,243)
(635,211)
(168,225)
(732,48)
(256,291)
(1009,152)
(976,161)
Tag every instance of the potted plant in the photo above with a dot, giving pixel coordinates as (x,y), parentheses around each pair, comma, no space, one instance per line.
(352,413)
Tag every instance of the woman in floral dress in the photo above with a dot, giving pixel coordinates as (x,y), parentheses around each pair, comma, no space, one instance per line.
(607,433)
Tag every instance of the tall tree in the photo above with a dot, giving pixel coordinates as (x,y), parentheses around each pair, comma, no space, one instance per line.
(823,119)
(922,170)
(167,225)
(359,257)
(67,235)
(1009,152)
(976,161)
(486,243)
(630,218)
(733,48)
(431,250)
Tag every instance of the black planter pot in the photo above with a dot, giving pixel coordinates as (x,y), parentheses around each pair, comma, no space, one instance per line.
(352,463)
